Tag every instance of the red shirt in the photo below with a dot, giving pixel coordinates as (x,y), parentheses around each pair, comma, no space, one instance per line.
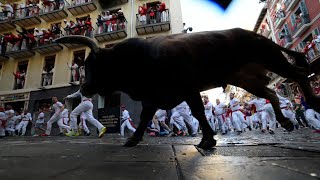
(143,10)
(162,7)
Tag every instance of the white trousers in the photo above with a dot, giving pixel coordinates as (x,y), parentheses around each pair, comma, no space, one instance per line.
(311,118)
(86,107)
(188,119)
(272,116)
(177,120)
(54,118)
(222,123)
(22,125)
(10,126)
(63,124)
(211,122)
(83,125)
(262,116)
(2,128)
(127,124)
(238,120)
(289,114)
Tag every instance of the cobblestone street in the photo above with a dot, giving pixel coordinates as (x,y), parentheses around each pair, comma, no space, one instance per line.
(251,155)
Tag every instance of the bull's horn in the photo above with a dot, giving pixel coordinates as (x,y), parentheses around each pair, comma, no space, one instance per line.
(77,39)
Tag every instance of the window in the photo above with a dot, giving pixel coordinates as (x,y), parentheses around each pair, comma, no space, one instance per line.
(20,75)
(48,70)
(77,63)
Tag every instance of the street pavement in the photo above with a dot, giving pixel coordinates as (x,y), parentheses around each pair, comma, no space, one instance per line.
(251,155)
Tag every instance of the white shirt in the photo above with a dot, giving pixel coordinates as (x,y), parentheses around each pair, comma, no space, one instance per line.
(182,106)
(161,115)
(9,8)
(208,108)
(259,103)
(57,106)
(232,102)
(8,113)
(125,115)
(2,116)
(16,118)
(283,101)
(27,117)
(79,94)
(219,109)
(65,113)
(40,118)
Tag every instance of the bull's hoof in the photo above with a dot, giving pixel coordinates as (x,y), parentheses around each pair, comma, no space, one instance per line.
(132,141)
(207,143)
(288,125)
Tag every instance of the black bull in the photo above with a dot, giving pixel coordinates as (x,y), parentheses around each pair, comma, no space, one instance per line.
(163,71)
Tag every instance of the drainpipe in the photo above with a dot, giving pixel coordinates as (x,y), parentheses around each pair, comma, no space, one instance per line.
(131,18)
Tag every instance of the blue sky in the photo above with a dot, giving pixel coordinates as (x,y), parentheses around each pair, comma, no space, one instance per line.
(204,15)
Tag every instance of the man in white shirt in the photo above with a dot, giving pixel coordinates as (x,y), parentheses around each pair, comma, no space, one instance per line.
(57,107)
(10,126)
(261,113)
(286,110)
(184,111)
(26,118)
(160,116)
(126,121)
(208,112)
(220,112)
(177,120)
(85,106)
(236,114)
(40,120)
(64,121)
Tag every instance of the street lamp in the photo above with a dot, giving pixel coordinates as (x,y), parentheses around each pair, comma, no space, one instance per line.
(186,30)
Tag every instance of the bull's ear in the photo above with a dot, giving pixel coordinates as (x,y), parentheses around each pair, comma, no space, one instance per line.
(77,39)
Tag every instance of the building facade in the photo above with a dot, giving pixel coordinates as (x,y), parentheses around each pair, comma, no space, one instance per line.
(293,24)
(30,74)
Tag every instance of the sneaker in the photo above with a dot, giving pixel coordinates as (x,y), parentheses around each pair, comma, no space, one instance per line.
(72,134)
(271,132)
(45,134)
(250,129)
(102,131)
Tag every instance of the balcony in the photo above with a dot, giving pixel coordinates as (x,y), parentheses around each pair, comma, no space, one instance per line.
(290,4)
(28,16)
(55,14)
(48,48)
(301,25)
(19,54)
(76,31)
(5,25)
(117,31)
(157,24)
(82,8)
(107,4)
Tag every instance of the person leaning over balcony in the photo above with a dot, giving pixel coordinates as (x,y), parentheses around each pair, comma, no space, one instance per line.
(152,16)
(162,9)
(108,26)
(316,41)
(142,12)
(88,27)
(38,35)
(8,10)
(114,22)
(99,24)
(121,20)
(56,30)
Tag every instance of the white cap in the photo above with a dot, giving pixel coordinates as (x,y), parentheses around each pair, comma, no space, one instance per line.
(64,20)
(36,29)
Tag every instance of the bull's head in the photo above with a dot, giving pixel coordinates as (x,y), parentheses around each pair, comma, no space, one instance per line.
(94,67)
